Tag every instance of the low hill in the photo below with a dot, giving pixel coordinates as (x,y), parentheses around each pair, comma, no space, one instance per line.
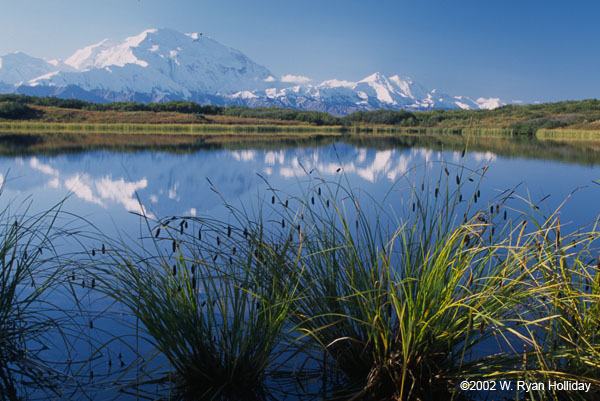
(526,119)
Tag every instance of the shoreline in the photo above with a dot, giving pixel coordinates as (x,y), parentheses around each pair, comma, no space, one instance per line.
(33,127)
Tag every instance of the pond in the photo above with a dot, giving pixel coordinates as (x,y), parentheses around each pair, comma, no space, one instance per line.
(111,189)
(106,186)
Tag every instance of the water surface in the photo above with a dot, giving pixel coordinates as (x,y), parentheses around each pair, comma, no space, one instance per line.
(111,189)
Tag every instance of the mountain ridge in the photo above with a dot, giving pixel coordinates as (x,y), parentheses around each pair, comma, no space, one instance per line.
(163,64)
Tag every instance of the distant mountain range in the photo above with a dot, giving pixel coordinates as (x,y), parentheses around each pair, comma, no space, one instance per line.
(162,65)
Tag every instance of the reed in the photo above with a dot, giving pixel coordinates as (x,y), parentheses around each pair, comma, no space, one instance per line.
(568,134)
(166,129)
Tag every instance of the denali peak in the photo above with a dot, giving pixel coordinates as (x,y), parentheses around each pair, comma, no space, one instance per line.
(163,64)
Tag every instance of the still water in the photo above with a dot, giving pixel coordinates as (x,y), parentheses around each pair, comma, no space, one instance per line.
(110,190)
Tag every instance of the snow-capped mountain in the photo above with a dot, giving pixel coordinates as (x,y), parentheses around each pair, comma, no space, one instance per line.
(19,68)
(158,64)
(163,64)
(373,92)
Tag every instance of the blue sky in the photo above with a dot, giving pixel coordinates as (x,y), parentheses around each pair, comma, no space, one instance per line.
(517,50)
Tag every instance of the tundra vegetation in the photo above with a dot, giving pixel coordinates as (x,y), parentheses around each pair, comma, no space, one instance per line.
(519,119)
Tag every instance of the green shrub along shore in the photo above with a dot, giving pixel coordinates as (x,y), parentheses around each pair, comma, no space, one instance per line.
(520,120)
(318,297)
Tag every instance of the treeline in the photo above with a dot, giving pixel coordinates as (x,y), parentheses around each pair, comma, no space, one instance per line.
(178,106)
(15,111)
(524,119)
(274,113)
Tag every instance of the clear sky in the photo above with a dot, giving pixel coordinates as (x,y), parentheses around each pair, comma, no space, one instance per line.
(518,50)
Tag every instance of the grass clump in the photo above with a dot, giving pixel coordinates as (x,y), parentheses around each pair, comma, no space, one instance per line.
(29,323)
(404,313)
(326,297)
(208,307)
(567,267)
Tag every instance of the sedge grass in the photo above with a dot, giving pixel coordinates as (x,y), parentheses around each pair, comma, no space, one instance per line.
(166,129)
(388,306)
(220,323)
(402,312)
(30,325)
(566,265)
